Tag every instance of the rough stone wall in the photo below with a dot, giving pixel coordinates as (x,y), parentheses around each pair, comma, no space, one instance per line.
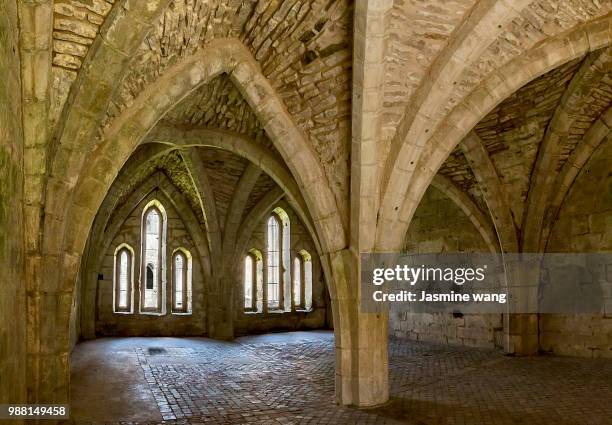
(440,226)
(261,322)
(76,25)
(108,323)
(12,282)
(584,224)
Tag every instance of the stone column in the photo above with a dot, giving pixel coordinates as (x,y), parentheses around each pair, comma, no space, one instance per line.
(220,311)
(521,334)
(521,330)
(361,339)
(12,287)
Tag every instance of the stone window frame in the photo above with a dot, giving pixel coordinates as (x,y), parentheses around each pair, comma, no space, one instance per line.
(279,242)
(123,248)
(187,308)
(284,262)
(257,280)
(253,283)
(302,257)
(161,276)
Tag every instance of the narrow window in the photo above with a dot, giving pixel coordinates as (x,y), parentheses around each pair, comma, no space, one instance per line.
(253,281)
(307,282)
(150,276)
(297,282)
(153,257)
(123,278)
(302,281)
(249,280)
(274,243)
(179,281)
(182,282)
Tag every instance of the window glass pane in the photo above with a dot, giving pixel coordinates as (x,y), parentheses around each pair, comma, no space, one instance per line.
(179,284)
(248,282)
(152,247)
(297,281)
(273,262)
(308,284)
(123,279)
(259,284)
(150,276)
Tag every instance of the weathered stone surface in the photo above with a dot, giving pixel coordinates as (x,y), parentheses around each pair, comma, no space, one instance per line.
(13,314)
(412,47)
(76,25)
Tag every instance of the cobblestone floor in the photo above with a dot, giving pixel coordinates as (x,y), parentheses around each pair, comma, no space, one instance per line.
(288,378)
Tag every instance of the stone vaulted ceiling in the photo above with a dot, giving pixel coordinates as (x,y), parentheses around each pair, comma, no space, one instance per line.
(305,50)
(513,133)
(172,166)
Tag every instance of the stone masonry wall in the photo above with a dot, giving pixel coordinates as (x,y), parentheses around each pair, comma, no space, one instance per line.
(135,324)
(440,226)
(12,288)
(584,224)
(246,323)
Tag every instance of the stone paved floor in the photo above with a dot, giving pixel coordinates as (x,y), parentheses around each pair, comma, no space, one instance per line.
(288,378)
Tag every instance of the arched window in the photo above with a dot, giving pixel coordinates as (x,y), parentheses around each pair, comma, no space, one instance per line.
(152,293)
(302,281)
(278,262)
(181,289)
(249,282)
(297,282)
(123,279)
(274,262)
(253,281)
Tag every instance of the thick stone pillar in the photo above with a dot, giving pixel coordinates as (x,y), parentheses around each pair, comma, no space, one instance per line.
(361,339)
(220,311)
(12,287)
(521,334)
(521,325)
(48,332)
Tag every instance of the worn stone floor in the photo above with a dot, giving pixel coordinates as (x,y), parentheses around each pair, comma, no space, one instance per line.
(288,378)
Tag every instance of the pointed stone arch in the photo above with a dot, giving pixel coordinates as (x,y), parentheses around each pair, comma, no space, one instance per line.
(239,145)
(220,56)
(592,71)
(74,193)
(599,131)
(404,192)
(494,194)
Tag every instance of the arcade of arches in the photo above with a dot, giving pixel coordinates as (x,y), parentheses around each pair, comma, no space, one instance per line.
(208,168)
